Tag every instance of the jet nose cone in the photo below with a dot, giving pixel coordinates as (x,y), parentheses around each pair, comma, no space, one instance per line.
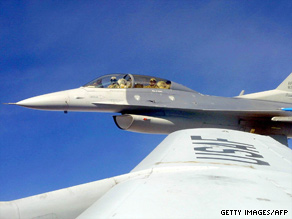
(52,101)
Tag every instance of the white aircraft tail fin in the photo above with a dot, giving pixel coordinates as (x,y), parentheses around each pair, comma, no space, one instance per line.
(241,93)
(283,93)
(286,85)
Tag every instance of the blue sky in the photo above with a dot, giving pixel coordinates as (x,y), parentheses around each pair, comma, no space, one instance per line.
(214,47)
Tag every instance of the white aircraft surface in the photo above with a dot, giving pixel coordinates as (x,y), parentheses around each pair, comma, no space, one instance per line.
(193,173)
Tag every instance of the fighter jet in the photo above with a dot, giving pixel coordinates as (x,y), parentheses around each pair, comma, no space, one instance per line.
(194,173)
(155,105)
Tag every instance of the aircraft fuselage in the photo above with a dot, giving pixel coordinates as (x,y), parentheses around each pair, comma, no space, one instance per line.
(181,109)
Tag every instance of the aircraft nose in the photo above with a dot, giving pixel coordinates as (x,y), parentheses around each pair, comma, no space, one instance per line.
(52,101)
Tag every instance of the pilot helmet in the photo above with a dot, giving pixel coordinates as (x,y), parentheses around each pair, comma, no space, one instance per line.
(153,80)
(113,79)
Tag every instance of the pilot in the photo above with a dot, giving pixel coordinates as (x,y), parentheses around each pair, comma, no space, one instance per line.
(152,84)
(114,83)
(161,85)
(122,83)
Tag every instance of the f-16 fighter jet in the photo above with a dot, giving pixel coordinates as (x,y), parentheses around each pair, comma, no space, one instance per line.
(210,171)
(156,105)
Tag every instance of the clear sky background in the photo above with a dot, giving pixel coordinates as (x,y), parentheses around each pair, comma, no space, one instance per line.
(214,47)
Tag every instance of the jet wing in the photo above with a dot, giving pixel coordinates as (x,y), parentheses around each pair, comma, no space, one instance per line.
(204,173)
(195,173)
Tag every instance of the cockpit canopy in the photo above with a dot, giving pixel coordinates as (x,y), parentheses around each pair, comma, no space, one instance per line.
(134,81)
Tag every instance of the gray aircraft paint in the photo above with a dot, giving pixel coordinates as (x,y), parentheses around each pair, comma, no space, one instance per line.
(169,110)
